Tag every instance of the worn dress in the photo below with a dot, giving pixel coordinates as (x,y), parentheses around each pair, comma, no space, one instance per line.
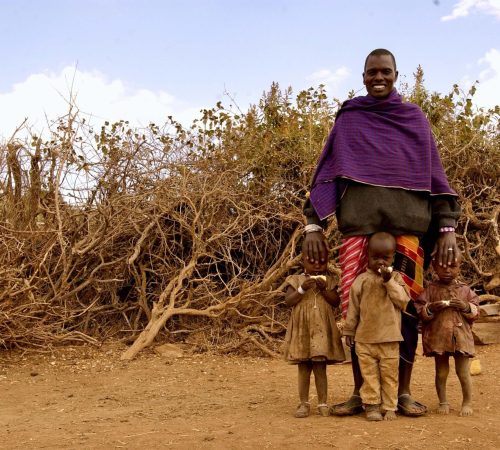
(448,331)
(312,333)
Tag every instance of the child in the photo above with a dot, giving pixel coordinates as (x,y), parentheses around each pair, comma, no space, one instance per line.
(312,339)
(447,308)
(373,322)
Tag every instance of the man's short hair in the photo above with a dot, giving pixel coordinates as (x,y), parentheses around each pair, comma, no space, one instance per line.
(379,52)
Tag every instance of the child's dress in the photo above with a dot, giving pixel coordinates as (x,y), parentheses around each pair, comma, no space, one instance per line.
(312,333)
(449,330)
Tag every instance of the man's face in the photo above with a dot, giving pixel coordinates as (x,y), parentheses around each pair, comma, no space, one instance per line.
(379,75)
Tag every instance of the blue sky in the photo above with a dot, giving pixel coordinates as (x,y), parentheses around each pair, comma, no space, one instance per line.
(144,60)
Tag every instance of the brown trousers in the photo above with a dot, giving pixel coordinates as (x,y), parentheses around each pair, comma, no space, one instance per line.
(379,365)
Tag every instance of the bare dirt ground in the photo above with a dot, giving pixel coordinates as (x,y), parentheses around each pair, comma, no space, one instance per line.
(82,397)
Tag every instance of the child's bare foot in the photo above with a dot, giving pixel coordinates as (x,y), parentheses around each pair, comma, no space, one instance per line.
(444,408)
(466,411)
(390,415)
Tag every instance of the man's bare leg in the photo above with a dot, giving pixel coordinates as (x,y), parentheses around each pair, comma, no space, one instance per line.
(353,405)
(411,407)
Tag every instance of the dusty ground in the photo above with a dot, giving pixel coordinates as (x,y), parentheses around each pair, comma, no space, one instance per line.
(88,398)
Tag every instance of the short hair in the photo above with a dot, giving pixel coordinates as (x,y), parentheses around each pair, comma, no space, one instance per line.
(379,52)
(383,236)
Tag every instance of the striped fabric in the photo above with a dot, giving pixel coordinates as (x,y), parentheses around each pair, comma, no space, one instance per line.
(353,258)
(409,261)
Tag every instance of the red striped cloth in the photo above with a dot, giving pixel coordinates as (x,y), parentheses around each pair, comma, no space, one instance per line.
(353,259)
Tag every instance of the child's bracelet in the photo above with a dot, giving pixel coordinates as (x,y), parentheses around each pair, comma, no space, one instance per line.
(447,230)
(300,290)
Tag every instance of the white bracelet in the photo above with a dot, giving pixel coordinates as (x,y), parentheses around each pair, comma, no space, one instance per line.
(300,290)
(312,227)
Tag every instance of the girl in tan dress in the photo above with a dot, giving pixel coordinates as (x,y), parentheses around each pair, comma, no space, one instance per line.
(312,339)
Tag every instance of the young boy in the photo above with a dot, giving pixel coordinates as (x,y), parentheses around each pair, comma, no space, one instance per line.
(447,308)
(373,322)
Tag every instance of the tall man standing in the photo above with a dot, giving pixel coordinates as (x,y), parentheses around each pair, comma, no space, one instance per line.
(380,171)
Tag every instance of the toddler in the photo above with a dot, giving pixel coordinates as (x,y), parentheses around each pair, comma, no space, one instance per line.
(312,339)
(373,324)
(447,308)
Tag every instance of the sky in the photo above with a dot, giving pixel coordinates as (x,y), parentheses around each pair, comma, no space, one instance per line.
(143,60)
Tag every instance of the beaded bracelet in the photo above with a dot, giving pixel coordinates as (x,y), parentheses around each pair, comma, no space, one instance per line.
(447,230)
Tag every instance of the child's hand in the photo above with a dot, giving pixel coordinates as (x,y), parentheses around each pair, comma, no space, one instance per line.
(321,284)
(308,284)
(459,304)
(435,307)
(349,341)
(385,272)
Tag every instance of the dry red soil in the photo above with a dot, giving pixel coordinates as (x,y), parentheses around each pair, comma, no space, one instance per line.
(82,397)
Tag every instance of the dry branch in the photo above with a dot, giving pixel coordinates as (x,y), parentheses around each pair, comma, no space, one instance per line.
(189,234)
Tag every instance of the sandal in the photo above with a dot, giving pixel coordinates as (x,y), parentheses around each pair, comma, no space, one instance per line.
(349,408)
(373,413)
(406,406)
(323,410)
(303,410)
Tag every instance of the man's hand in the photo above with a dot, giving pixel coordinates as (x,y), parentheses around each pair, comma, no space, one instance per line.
(349,341)
(445,251)
(315,247)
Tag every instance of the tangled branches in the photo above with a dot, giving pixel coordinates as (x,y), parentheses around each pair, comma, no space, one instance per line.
(188,233)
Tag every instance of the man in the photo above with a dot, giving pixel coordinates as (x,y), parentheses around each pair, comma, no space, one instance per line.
(380,171)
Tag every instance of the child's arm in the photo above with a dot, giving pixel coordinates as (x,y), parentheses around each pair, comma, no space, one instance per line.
(294,296)
(425,308)
(397,291)
(469,307)
(352,319)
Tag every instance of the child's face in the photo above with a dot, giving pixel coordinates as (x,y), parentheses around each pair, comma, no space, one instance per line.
(380,253)
(447,274)
(316,268)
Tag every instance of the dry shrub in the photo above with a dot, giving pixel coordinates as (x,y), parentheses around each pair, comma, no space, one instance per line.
(189,233)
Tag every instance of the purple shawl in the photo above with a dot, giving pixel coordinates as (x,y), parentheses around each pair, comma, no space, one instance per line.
(382,143)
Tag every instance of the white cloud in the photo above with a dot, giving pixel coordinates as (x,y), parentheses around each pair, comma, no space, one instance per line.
(44,97)
(487,73)
(332,80)
(488,90)
(465,7)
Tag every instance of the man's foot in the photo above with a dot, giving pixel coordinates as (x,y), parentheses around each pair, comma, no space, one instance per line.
(303,410)
(444,408)
(373,413)
(409,407)
(466,411)
(349,408)
(390,415)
